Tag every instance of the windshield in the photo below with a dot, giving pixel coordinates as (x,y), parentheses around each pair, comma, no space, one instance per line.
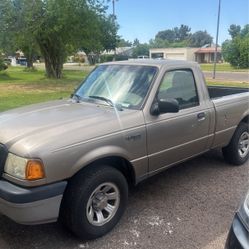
(123,85)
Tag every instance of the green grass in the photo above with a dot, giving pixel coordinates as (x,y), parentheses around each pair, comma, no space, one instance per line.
(226,67)
(19,87)
(227,83)
(19,75)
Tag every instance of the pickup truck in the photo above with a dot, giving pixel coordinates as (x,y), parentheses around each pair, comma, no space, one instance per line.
(73,160)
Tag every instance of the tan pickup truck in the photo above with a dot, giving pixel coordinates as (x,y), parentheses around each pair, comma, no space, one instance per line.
(74,159)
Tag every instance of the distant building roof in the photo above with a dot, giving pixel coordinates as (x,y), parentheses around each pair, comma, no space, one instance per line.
(120,50)
(208,50)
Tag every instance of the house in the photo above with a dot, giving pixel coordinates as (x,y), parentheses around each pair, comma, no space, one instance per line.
(173,53)
(201,55)
(124,51)
(207,54)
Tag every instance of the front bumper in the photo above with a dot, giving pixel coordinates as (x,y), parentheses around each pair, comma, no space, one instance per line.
(238,237)
(31,205)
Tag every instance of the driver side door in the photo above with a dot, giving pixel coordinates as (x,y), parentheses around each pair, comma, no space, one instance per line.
(174,137)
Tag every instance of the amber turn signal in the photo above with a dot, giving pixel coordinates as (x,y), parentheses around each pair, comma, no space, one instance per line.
(34,170)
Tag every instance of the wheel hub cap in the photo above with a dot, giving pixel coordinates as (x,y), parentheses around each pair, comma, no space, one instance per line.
(99,201)
(243,147)
(103,204)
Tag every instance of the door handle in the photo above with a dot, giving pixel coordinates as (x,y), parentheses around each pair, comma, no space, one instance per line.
(201,116)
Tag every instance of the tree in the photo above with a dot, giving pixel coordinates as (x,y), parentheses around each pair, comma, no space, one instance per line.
(234,30)
(175,35)
(60,27)
(124,43)
(141,49)
(168,35)
(182,33)
(159,43)
(230,52)
(14,32)
(3,66)
(245,31)
(136,42)
(7,43)
(200,38)
(236,51)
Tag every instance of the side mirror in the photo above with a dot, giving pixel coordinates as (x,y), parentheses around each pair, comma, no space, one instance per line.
(165,106)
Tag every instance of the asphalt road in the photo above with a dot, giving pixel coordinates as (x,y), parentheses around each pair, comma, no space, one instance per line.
(230,76)
(188,206)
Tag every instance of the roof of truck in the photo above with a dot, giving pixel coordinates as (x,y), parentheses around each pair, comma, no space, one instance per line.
(154,62)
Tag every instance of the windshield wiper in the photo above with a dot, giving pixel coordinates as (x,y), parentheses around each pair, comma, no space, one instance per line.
(108,101)
(77,97)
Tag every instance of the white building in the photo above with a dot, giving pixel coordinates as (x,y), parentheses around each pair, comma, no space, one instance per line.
(201,55)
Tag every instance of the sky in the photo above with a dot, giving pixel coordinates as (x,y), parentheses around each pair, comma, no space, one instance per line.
(142,19)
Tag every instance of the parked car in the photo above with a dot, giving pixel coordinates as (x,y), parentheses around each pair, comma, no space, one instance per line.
(74,159)
(238,237)
(22,61)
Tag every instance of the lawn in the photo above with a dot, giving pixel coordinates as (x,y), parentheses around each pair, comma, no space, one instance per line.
(225,67)
(19,87)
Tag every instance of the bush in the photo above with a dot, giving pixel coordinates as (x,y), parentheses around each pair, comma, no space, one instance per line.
(236,51)
(79,59)
(110,57)
(3,65)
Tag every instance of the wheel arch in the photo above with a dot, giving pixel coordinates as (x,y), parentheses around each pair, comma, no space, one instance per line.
(118,162)
(245,119)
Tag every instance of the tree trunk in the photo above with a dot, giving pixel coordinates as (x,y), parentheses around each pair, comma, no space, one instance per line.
(53,67)
(29,54)
(30,61)
(54,56)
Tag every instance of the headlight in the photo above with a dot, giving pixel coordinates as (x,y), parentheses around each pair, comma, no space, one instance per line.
(244,211)
(22,168)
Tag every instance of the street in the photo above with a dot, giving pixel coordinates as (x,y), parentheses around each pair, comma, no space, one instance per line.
(188,206)
(230,76)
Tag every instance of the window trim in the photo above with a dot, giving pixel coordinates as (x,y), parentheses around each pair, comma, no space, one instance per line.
(196,89)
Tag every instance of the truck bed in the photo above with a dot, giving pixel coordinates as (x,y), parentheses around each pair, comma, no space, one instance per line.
(220,91)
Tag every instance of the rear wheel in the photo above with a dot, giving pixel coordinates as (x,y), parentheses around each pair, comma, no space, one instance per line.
(94,201)
(237,152)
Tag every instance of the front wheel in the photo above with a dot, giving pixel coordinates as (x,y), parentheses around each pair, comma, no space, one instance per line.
(94,201)
(237,152)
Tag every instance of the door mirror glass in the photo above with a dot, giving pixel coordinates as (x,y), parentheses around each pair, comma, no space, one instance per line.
(165,106)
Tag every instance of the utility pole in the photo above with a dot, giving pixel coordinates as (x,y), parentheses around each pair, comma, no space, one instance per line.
(114,17)
(113,7)
(216,43)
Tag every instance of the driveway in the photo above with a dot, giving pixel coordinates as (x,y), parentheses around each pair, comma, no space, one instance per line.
(189,206)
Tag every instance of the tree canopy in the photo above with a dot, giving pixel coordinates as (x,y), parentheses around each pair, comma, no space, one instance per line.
(124,43)
(200,38)
(174,35)
(56,28)
(236,50)
(181,37)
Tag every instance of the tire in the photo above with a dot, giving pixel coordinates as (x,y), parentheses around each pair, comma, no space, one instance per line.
(90,193)
(237,151)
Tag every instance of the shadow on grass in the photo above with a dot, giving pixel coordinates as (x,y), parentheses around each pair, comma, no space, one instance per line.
(6,77)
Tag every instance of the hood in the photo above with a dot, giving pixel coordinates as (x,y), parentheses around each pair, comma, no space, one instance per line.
(58,124)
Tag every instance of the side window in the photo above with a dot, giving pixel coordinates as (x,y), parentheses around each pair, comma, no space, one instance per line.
(180,85)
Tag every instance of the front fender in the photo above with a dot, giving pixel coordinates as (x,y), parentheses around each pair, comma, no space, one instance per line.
(98,153)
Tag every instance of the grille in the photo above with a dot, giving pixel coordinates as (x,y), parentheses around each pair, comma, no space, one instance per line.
(3,157)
